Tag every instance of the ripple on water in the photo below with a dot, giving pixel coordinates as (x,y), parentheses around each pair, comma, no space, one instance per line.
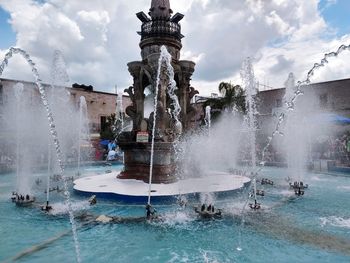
(347,188)
(320,179)
(335,221)
(62,208)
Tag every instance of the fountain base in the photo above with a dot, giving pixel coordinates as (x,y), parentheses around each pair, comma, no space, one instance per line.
(137,162)
(130,190)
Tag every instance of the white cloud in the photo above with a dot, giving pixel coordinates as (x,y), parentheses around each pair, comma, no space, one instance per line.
(299,58)
(98,39)
(329,3)
(95,22)
(273,19)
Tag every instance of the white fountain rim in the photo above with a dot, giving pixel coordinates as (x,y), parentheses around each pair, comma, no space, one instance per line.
(110,184)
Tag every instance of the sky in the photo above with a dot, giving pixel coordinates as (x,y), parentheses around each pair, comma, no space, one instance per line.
(98,38)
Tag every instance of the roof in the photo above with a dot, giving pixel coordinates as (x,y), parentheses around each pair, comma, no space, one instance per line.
(47,85)
(334,83)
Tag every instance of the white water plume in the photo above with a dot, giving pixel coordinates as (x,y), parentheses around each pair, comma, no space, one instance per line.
(301,128)
(249,84)
(290,88)
(119,113)
(202,154)
(21,133)
(207,198)
(177,218)
(297,93)
(63,209)
(53,131)
(59,75)
(164,58)
(207,118)
(83,130)
(294,135)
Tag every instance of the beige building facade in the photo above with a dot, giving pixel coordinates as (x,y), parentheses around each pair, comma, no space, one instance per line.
(100,105)
(324,97)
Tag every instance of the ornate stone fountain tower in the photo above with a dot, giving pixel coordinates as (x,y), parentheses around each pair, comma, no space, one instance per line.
(158,29)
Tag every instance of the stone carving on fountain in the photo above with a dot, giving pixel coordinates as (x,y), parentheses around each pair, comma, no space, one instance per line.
(161,28)
(160,9)
(191,111)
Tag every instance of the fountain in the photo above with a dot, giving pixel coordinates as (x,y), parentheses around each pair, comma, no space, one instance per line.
(249,83)
(290,105)
(295,132)
(154,148)
(151,147)
(161,29)
(207,118)
(47,207)
(18,94)
(53,133)
(83,133)
(119,113)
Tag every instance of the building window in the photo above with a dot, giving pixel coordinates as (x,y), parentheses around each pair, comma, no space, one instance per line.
(278,103)
(323,100)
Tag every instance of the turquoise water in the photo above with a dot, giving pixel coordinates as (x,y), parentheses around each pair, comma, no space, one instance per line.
(312,228)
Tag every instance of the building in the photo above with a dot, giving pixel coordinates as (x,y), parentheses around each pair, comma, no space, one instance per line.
(323,97)
(100,105)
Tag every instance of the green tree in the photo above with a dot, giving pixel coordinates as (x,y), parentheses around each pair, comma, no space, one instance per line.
(233,98)
(107,132)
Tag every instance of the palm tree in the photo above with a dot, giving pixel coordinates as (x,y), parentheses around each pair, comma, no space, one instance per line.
(233,98)
(107,132)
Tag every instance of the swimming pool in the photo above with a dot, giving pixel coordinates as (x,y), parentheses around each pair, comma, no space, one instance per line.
(314,227)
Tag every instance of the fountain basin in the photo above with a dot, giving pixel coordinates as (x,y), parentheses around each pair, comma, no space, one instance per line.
(138,157)
(136,191)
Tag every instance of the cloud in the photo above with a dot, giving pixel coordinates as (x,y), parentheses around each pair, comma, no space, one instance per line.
(329,3)
(281,64)
(98,38)
(299,58)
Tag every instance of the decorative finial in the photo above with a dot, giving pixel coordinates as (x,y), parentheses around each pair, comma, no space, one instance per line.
(160,9)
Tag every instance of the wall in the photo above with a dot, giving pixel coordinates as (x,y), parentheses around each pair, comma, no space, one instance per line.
(98,103)
(332,96)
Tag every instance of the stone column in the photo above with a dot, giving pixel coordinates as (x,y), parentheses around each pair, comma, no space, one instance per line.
(138,96)
(187,69)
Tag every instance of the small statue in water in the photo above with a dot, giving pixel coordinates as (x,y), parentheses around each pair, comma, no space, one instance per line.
(266,181)
(208,211)
(182,201)
(298,187)
(14,196)
(38,181)
(258,192)
(92,200)
(22,200)
(255,206)
(150,212)
(47,208)
(299,191)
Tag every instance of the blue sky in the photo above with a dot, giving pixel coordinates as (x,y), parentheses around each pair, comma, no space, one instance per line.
(335,12)
(7,36)
(336,15)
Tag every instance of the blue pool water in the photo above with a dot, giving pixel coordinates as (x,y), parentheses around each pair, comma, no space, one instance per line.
(312,228)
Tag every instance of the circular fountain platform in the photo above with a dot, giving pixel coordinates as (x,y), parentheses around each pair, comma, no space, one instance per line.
(109,186)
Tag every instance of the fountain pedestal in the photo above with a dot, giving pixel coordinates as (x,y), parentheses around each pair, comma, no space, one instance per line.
(137,162)
(162,76)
